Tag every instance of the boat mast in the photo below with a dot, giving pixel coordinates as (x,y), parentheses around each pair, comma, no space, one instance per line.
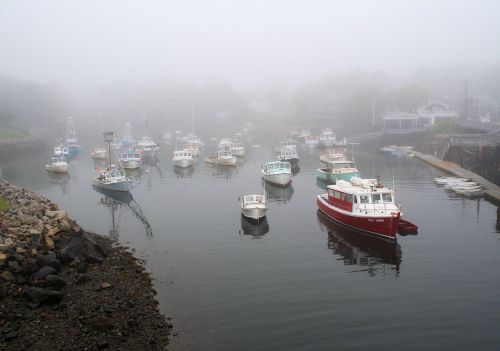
(108,138)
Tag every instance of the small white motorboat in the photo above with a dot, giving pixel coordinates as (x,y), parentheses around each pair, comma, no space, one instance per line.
(446,180)
(130,160)
(327,138)
(277,172)
(222,158)
(57,165)
(114,179)
(237,149)
(334,155)
(254,207)
(99,153)
(183,158)
(460,185)
(148,147)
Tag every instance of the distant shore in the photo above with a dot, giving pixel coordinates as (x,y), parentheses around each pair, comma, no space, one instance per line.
(62,288)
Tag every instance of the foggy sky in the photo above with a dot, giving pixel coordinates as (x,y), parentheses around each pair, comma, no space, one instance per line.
(87,43)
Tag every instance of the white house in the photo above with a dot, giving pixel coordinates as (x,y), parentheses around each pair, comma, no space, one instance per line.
(435,112)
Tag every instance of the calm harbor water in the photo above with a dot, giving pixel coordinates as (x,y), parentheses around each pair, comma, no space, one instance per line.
(296,281)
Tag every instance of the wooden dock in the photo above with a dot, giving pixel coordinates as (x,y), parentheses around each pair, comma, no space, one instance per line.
(492,191)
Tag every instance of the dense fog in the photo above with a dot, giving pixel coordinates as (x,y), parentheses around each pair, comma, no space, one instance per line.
(225,62)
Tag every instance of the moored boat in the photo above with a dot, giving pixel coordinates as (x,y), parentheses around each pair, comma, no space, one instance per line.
(99,153)
(333,155)
(342,169)
(237,149)
(193,148)
(311,141)
(287,154)
(114,179)
(254,207)
(368,207)
(446,180)
(148,147)
(57,165)
(277,172)
(222,157)
(130,160)
(182,158)
(327,138)
(61,151)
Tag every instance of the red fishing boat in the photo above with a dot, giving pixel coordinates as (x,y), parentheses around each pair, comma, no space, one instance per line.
(362,204)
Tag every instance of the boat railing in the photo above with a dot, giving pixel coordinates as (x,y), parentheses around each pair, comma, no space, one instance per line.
(378,208)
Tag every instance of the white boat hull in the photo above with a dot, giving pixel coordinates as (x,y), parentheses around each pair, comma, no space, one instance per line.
(99,155)
(254,213)
(131,164)
(222,162)
(183,162)
(57,168)
(116,186)
(279,179)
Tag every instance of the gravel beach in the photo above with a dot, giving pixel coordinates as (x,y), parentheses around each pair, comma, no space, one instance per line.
(62,288)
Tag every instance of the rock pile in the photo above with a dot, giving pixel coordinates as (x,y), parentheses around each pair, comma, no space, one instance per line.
(62,288)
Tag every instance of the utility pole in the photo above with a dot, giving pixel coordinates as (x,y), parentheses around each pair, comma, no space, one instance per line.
(466,106)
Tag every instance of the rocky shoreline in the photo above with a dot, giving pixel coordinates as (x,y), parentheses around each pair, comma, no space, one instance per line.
(62,288)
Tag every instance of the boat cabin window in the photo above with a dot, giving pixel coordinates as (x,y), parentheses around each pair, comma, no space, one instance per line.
(387,197)
(363,199)
(376,199)
(259,198)
(348,198)
(355,198)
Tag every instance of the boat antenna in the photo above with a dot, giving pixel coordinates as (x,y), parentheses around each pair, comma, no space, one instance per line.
(393,179)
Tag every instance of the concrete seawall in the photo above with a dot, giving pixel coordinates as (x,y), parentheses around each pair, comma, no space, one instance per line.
(492,191)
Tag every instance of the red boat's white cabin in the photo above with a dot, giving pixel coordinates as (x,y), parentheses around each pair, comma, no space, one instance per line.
(362,204)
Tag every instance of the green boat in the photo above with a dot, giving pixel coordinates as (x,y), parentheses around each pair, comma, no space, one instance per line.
(341,169)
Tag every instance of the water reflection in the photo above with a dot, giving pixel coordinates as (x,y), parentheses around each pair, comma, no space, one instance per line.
(374,256)
(152,168)
(275,193)
(256,230)
(184,173)
(219,171)
(118,200)
(498,220)
(59,179)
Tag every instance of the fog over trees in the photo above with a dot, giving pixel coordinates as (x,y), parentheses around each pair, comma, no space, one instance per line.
(300,62)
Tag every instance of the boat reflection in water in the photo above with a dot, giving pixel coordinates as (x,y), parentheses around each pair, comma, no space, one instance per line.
(152,170)
(59,179)
(184,173)
(117,201)
(219,171)
(256,230)
(276,193)
(377,257)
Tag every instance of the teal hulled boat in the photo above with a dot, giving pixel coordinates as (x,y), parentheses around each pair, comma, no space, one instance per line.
(341,169)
